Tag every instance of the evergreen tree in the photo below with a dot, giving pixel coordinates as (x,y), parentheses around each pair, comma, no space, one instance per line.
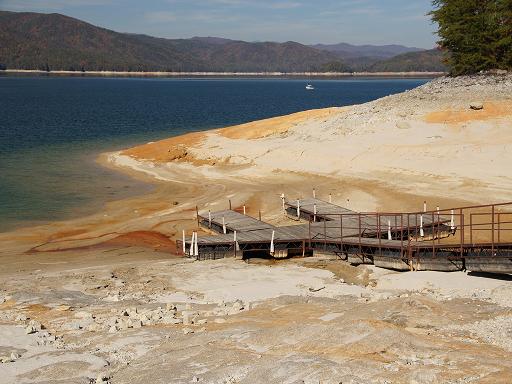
(476,33)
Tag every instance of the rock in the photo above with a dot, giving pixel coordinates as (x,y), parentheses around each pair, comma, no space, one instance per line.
(238,305)
(21,317)
(403,125)
(102,377)
(5,359)
(476,106)
(201,322)
(186,317)
(156,316)
(112,321)
(125,324)
(195,379)
(113,329)
(74,326)
(30,329)
(147,322)
(187,331)
(36,325)
(137,324)
(94,327)
(15,356)
(84,315)
(171,320)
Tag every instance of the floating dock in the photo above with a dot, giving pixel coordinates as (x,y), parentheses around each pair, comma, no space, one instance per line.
(477,238)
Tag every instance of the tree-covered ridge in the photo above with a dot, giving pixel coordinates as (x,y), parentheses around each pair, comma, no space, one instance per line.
(57,42)
(430,61)
(476,33)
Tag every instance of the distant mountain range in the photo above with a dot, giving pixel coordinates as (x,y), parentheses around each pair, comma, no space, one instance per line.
(58,42)
(347,51)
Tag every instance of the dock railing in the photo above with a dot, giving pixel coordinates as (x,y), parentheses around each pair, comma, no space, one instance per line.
(456,230)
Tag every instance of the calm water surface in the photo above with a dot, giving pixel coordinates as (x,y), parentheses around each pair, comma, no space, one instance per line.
(53,128)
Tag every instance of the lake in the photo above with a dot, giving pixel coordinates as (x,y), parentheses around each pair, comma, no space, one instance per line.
(53,128)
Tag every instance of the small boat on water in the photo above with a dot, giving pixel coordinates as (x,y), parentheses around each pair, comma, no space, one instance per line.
(309,87)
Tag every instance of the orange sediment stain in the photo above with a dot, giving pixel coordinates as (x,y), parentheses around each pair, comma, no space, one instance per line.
(178,148)
(275,125)
(145,239)
(491,111)
(174,148)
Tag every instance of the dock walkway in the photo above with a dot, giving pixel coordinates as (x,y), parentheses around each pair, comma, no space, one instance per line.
(435,240)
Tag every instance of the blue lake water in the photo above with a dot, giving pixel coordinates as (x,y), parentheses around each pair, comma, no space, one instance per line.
(53,128)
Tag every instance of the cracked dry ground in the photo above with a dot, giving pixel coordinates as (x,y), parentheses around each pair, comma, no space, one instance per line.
(124,321)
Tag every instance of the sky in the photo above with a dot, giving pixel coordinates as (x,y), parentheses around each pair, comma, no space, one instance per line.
(321,21)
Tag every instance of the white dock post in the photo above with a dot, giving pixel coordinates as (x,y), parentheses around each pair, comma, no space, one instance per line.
(184,245)
(191,251)
(272,251)
(314,193)
(196,247)
(422,233)
(244,209)
(330,198)
(389,230)
(209,219)
(223,225)
(237,247)
(314,213)
(425,206)
(298,209)
(452,220)
(282,202)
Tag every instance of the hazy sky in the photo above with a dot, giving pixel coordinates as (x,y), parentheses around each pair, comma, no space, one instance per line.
(321,21)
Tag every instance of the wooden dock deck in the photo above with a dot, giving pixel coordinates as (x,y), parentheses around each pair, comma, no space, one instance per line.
(231,221)
(438,240)
(307,208)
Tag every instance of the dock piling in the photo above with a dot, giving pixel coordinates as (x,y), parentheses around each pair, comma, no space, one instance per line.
(191,251)
(196,247)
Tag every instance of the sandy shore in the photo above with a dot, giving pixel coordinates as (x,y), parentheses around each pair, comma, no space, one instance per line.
(103,298)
